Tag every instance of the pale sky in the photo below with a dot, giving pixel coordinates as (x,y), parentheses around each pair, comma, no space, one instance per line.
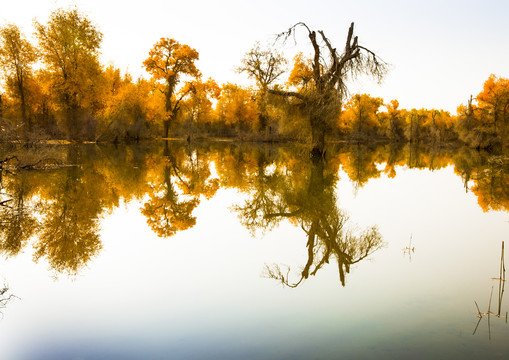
(441,51)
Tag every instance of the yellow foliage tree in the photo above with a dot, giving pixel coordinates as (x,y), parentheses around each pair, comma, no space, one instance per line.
(360,115)
(129,108)
(17,57)
(168,61)
(70,44)
(199,100)
(236,108)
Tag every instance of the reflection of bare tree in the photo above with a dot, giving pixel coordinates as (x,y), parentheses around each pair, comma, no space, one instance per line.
(347,249)
(313,205)
(5,297)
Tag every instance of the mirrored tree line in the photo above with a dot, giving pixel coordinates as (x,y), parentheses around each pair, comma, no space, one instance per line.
(56,208)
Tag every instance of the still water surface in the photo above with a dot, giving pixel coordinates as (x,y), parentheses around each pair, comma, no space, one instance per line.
(225,251)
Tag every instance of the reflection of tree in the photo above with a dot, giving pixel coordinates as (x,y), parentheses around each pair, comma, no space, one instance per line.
(197,171)
(490,176)
(17,222)
(262,187)
(56,209)
(175,195)
(361,165)
(69,238)
(166,212)
(492,185)
(309,201)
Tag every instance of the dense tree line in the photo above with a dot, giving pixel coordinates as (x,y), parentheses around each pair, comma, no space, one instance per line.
(56,88)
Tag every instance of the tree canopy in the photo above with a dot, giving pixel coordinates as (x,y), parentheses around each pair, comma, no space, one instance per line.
(57,88)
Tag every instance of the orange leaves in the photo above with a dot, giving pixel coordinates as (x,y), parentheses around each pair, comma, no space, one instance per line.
(69,44)
(199,96)
(302,72)
(169,59)
(392,107)
(16,53)
(495,90)
(360,113)
(129,108)
(236,107)
(486,124)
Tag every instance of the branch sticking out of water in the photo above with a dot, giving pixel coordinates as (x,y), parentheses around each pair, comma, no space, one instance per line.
(501,285)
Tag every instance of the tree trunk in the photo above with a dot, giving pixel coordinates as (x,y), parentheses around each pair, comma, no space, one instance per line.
(72,122)
(166,128)
(21,90)
(26,126)
(317,139)
(166,151)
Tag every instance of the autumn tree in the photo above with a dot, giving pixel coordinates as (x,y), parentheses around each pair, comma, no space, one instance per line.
(168,62)
(235,108)
(129,107)
(17,57)
(493,102)
(484,121)
(360,114)
(415,121)
(199,101)
(395,121)
(70,44)
(322,97)
(440,126)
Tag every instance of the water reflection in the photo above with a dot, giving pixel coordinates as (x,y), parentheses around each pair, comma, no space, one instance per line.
(58,210)
(409,250)
(5,297)
(17,222)
(304,194)
(501,287)
(69,226)
(180,177)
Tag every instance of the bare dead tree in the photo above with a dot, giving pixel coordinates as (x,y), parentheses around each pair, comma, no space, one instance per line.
(331,70)
(263,65)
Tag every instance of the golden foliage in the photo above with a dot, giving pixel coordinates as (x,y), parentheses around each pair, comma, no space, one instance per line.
(236,107)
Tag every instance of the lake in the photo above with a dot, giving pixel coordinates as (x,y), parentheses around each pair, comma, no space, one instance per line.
(235,251)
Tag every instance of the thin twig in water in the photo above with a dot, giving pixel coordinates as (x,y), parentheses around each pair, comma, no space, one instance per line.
(476,326)
(501,280)
(478,311)
(489,312)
